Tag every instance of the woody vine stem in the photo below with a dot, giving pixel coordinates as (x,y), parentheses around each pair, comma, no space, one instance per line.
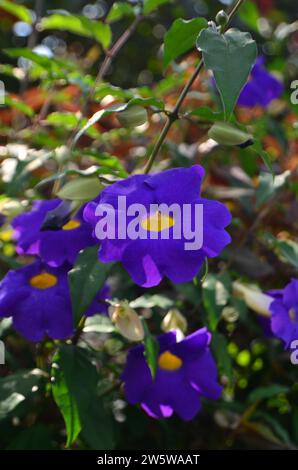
(174,114)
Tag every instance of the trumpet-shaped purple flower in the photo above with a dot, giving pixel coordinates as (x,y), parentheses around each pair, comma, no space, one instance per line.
(53,246)
(261,88)
(186,372)
(151,256)
(37,298)
(284,313)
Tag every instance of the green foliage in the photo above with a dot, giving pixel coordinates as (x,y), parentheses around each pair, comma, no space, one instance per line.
(80,25)
(181,37)
(230,56)
(86,278)
(75,392)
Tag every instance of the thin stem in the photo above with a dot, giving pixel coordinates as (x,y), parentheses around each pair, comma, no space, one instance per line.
(174,115)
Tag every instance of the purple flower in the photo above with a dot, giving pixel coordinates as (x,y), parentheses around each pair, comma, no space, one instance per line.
(261,88)
(53,246)
(148,259)
(37,298)
(186,371)
(284,313)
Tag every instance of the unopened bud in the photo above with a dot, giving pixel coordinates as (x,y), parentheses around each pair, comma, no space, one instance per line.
(11,208)
(133,116)
(174,320)
(221,18)
(253,298)
(227,134)
(62,154)
(127,321)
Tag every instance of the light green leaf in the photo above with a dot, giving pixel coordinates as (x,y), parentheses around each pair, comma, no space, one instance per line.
(287,250)
(81,189)
(80,25)
(86,279)
(19,105)
(20,11)
(181,37)
(151,349)
(151,5)
(249,14)
(230,56)
(118,11)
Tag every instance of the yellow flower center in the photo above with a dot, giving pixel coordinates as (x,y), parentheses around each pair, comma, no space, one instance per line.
(71,225)
(157,222)
(169,361)
(43,281)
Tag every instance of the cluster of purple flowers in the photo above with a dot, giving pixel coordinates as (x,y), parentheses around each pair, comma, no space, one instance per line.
(37,296)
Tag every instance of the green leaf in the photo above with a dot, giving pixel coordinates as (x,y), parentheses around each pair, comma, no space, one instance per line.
(181,37)
(206,114)
(261,393)
(81,189)
(268,186)
(230,56)
(37,437)
(118,11)
(16,388)
(249,14)
(19,105)
(265,156)
(78,376)
(287,250)
(151,349)
(19,11)
(66,402)
(220,348)
(80,25)
(85,279)
(151,5)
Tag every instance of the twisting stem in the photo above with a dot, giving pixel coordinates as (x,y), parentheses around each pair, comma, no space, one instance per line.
(174,115)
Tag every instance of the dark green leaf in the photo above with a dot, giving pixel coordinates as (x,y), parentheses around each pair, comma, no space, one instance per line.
(85,279)
(215,297)
(181,37)
(230,56)
(223,359)
(16,388)
(269,391)
(78,376)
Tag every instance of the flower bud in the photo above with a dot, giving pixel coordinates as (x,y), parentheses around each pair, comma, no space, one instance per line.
(127,321)
(133,116)
(62,154)
(221,18)
(253,298)
(174,320)
(227,134)
(11,208)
